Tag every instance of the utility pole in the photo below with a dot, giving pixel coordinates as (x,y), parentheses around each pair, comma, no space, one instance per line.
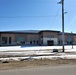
(63,23)
(62,2)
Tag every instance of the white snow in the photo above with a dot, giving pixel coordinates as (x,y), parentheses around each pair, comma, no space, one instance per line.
(38,57)
(37,50)
(19,48)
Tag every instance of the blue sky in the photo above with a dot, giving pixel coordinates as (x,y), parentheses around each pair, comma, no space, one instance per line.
(36,15)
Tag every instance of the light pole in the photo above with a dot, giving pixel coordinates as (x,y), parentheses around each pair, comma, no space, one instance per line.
(62,2)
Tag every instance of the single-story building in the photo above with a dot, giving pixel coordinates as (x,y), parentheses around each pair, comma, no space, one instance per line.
(35,37)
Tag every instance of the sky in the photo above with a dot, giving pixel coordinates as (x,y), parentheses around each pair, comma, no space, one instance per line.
(37,15)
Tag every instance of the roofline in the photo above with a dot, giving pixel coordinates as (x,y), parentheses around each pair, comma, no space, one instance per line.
(18,33)
(49,31)
(67,33)
(28,32)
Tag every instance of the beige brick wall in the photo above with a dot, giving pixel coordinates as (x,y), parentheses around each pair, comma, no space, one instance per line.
(14,37)
(8,35)
(46,34)
(74,38)
(68,36)
(28,37)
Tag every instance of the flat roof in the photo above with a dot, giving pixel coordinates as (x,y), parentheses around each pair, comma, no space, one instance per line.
(35,32)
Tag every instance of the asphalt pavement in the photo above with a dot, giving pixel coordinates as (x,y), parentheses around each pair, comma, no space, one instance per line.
(49,70)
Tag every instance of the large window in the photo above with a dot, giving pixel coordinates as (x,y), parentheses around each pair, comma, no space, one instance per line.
(33,40)
(20,40)
(4,40)
(69,41)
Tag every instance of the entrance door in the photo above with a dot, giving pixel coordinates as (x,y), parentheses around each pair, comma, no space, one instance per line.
(50,42)
(9,40)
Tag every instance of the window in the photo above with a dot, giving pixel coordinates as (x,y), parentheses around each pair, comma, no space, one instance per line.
(50,36)
(69,41)
(4,40)
(20,40)
(34,41)
(30,42)
(60,42)
(37,42)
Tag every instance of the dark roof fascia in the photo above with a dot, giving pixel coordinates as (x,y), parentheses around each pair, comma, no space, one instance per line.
(25,32)
(22,31)
(49,31)
(17,33)
(67,34)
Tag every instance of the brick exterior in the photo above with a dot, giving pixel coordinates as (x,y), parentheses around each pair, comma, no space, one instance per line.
(35,38)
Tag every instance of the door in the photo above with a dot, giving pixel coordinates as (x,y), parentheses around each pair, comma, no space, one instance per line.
(50,42)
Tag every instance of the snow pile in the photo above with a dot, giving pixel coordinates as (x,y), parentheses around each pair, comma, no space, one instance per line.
(38,57)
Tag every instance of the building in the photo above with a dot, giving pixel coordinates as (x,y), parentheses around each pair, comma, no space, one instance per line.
(35,37)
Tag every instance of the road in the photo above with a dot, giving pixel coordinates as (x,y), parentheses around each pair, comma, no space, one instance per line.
(52,70)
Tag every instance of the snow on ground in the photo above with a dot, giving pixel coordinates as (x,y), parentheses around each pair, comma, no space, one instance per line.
(38,57)
(45,51)
(33,50)
(10,48)
(19,48)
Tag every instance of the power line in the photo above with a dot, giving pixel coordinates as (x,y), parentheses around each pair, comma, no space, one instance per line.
(25,0)
(56,15)
(27,16)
